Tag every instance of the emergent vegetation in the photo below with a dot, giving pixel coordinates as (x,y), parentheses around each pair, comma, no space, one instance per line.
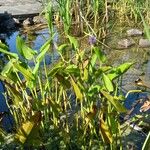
(76,102)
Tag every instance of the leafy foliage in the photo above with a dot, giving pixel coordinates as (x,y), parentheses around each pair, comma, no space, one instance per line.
(62,101)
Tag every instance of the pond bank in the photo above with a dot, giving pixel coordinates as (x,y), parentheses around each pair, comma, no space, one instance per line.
(20,8)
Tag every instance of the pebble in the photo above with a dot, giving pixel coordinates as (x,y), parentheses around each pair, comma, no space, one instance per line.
(144,43)
(16,21)
(39,19)
(126,43)
(28,22)
(134,32)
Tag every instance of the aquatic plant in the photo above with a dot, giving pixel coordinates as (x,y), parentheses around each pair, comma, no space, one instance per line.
(74,103)
(74,100)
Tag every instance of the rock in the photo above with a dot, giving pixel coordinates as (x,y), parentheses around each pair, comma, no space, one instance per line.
(134,32)
(144,43)
(38,20)
(126,43)
(28,22)
(17,22)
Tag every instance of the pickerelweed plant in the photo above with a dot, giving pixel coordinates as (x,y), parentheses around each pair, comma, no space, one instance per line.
(72,104)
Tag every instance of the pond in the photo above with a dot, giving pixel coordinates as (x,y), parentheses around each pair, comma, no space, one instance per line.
(134,54)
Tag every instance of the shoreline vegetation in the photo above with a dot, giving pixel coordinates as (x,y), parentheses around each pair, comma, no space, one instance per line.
(78,101)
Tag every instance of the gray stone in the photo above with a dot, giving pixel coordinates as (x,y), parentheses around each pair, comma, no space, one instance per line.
(39,19)
(144,43)
(28,22)
(126,43)
(134,32)
(16,21)
(20,7)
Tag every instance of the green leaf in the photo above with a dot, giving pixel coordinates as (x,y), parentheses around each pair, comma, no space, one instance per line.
(108,84)
(94,90)
(99,54)
(55,69)
(7,68)
(8,71)
(117,72)
(77,91)
(73,42)
(146,26)
(25,71)
(44,50)
(118,106)
(19,43)
(55,107)
(46,44)
(14,55)
(101,70)
(92,62)
(72,69)
(28,52)
(23,49)
(3,46)
(36,69)
(85,74)
(62,47)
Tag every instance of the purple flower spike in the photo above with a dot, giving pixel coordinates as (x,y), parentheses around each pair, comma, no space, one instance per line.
(92,40)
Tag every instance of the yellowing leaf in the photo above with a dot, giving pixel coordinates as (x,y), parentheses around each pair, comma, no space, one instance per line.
(119,107)
(25,131)
(77,91)
(63,80)
(17,96)
(85,75)
(105,133)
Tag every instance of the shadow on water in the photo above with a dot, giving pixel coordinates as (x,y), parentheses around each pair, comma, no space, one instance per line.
(7,120)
